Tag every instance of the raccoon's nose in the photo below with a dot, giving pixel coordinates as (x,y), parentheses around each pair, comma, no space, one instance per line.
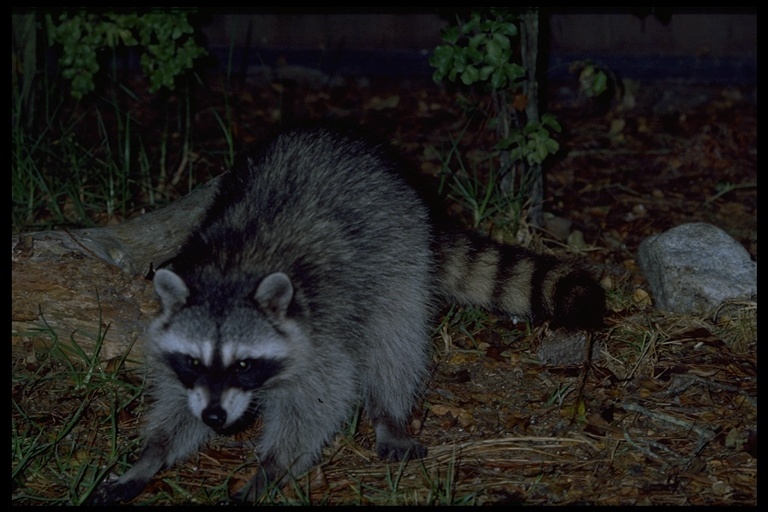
(214,416)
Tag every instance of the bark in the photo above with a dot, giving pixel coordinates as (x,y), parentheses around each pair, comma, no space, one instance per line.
(77,286)
(529,43)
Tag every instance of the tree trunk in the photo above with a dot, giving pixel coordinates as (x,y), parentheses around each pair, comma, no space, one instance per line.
(529,46)
(77,286)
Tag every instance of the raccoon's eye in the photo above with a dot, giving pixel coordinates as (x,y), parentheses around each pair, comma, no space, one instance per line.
(243,365)
(193,362)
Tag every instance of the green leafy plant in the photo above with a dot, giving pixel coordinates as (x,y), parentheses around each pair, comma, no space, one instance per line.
(602,87)
(479,195)
(533,143)
(593,81)
(80,151)
(479,50)
(482,51)
(165,38)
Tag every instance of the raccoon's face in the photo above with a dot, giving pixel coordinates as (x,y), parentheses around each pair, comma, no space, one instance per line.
(221,362)
(220,369)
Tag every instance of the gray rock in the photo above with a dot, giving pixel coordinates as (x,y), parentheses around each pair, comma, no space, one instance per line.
(693,268)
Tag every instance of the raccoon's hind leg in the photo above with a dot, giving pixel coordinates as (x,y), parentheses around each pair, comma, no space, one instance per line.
(172,432)
(393,443)
(391,383)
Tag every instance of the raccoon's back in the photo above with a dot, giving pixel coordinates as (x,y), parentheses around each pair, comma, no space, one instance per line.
(328,210)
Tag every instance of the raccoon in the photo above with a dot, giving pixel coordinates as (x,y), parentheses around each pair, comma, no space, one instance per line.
(310,285)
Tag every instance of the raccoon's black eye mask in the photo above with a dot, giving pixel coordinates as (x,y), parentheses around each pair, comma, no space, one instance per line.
(188,369)
(247,374)
(253,373)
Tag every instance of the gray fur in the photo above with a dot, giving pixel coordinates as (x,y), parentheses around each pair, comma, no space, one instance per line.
(316,270)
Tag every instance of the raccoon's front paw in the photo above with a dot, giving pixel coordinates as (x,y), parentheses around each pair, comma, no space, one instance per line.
(394,450)
(253,491)
(245,496)
(114,492)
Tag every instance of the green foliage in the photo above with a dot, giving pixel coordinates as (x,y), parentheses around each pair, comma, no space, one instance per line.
(593,80)
(480,195)
(166,38)
(59,177)
(533,143)
(78,162)
(483,51)
(56,391)
(480,50)
(465,320)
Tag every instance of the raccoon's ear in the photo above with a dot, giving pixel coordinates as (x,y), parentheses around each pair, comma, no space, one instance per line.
(274,294)
(171,289)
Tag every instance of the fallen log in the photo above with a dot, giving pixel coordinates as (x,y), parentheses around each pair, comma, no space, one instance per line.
(89,285)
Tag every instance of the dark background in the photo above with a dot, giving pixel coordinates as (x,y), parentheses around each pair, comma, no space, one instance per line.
(705,46)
